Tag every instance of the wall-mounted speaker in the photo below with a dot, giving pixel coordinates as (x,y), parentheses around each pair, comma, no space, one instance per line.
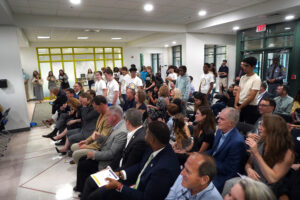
(3,83)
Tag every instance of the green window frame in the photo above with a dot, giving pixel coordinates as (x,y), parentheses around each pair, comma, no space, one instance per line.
(215,54)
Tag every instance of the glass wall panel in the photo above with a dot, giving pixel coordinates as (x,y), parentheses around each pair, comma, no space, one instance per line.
(108,50)
(68,57)
(99,65)
(220,50)
(98,50)
(44,58)
(82,68)
(54,58)
(109,63)
(209,59)
(55,51)
(284,41)
(43,51)
(253,44)
(118,56)
(117,50)
(99,56)
(67,50)
(84,57)
(56,66)
(83,50)
(45,68)
(118,63)
(108,56)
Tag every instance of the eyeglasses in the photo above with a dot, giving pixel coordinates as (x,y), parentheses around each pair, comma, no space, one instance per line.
(263,105)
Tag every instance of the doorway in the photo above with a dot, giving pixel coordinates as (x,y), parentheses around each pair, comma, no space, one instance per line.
(264,60)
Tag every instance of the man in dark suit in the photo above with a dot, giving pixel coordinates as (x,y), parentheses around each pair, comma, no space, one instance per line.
(152,177)
(263,93)
(129,102)
(229,149)
(132,152)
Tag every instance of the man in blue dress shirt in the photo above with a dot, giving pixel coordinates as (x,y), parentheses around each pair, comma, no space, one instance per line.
(195,180)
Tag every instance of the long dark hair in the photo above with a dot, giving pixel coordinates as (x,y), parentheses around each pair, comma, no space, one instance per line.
(35,73)
(178,125)
(208,125)
(278,139)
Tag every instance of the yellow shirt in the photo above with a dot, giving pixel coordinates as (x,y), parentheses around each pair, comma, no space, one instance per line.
(295,106)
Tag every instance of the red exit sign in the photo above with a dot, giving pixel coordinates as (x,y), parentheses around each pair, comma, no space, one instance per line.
(261,28)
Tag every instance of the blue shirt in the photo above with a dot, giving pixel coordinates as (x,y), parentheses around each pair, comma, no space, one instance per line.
(143,75)
(178,192)
(222,139)
(183,84)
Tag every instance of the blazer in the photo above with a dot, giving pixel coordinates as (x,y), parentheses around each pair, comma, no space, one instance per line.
(112,146)
(89,118)
(230,157)
(133,153)
(59,101)
(157,178)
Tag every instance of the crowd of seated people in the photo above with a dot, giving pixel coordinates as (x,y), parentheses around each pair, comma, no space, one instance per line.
(164,142)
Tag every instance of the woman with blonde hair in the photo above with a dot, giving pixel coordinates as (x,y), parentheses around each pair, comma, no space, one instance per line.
(182,134)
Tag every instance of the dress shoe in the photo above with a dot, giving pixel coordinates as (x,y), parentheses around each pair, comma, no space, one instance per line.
(75,189)
(52,134)
(60,143)
(58,151)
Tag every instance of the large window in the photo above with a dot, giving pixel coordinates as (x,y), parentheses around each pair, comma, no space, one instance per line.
(75,61)
(177,55)
(215,54)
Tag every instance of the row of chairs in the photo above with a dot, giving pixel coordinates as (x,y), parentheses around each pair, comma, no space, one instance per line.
(5,135)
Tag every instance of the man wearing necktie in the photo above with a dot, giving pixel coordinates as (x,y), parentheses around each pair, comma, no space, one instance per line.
(229,149)
(153,176)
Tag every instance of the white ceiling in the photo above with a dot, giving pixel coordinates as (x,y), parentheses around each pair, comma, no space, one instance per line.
(68,35)
(165,11)
(63,21)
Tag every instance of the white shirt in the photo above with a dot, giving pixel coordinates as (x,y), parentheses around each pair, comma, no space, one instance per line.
(122,80)
(172,76)
(134,83)
(205,81)
(99,86)
(248,83)
(129,136)
(112,86)
(260,96)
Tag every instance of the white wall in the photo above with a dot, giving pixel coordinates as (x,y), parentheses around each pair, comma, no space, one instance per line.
(195,54)
(10,66)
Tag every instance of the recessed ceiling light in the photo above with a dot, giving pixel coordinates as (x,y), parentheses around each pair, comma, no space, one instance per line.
(148,7)
(116,38)
(166,45)
(76,2)
(289,17)
(97,30)
(87,30)
(82,38)
(202,13)
(43,37)
(235,28)
(287,28)
(174,42)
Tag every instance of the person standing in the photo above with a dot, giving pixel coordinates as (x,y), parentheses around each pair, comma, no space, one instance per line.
(51,83)
(246,99)
(26,78)
(183,84)
(100,85)
(134,82)
(63,78)
(172,76)
(90,77)
(123,80)
(206,81)
(37,82)
(149,80)
(275,75)
(112,88)
(223,76)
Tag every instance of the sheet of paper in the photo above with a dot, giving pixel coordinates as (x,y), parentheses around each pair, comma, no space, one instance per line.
(100,176)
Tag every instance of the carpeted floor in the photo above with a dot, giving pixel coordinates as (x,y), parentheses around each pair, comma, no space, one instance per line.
(42,111)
